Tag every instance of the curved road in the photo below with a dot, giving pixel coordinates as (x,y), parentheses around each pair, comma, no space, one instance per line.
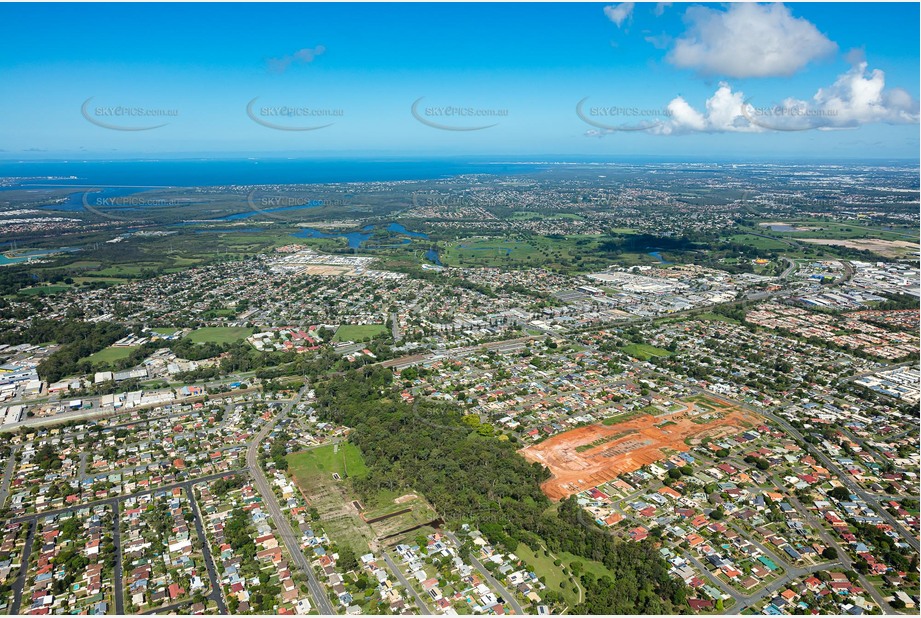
(497,586)
(846,479)
(829,540)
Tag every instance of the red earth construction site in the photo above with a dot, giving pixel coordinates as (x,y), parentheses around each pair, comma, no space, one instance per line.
(590,456)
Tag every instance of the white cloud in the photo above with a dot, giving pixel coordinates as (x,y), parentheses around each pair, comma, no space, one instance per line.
(684,116)
(724,110)
(856,98)
(748,40)
(723,113)
(660,8)
(859,97)
(618,13)
(659,41)
(304,56)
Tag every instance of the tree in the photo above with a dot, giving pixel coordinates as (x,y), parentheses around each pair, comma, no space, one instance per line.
(487,482)
(347,559)
(830,553)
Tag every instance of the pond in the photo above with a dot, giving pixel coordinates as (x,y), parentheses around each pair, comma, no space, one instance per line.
(432,256)
(658,256)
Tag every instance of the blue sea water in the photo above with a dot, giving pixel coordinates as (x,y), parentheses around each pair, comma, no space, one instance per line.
(212,172)
(75,201)
(113,179)
(238,216)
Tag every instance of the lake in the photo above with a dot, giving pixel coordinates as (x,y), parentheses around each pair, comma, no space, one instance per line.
(357,239)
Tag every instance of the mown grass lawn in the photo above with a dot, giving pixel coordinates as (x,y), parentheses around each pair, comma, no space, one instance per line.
(220,334)
(543,567)
(164,331)
(312,471)
(358,332)
(325,461)
(644,351)
(111,354)
(759,242)
(46,290)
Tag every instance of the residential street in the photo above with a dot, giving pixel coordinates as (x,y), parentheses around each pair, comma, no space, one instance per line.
(8,475)
(285,532)
(828,539)
(772,588)
(114,503)
(399,575)
(118,570)
(844,478)
(20,581)
(497,586)
(216,594)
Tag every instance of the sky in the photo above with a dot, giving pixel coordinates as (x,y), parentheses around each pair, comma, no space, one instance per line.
(747,81)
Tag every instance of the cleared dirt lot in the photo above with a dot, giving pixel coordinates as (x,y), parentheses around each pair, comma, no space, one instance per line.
(627,446)
(885,248)
(327,270)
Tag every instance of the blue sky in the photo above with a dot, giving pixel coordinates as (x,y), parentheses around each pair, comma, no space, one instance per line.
(815,80)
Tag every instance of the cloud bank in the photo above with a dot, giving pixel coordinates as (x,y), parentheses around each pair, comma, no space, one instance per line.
(748,40)
(857,97)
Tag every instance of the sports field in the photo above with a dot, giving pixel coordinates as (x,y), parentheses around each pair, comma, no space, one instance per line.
(46,290)
(111,354)
(357,332)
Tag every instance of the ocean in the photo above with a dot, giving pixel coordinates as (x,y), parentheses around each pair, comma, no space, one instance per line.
(212,172)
